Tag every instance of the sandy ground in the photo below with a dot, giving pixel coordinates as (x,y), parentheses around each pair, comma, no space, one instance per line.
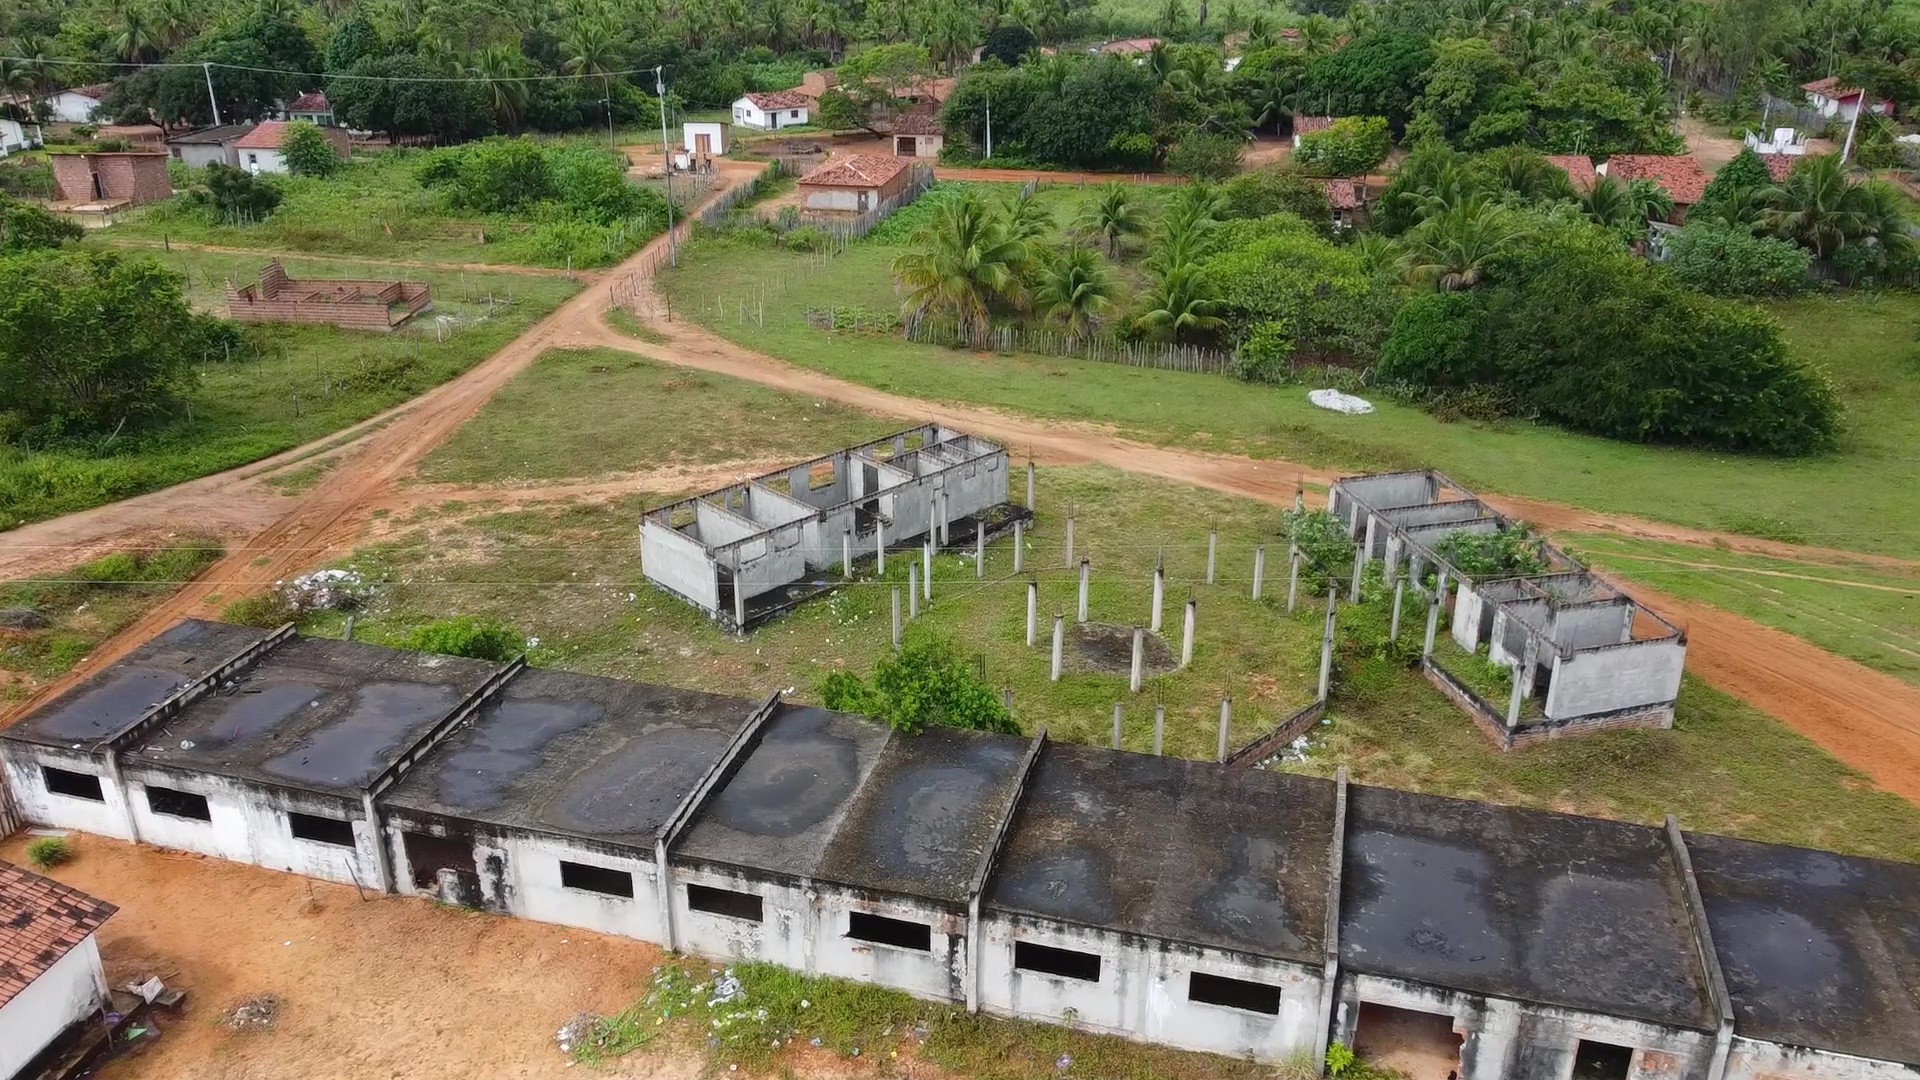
(1418,1046)
(1712,149)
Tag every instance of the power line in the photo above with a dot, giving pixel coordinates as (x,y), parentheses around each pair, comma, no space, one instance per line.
(331,75)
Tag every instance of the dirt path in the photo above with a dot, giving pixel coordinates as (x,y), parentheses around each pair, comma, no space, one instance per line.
(419,264)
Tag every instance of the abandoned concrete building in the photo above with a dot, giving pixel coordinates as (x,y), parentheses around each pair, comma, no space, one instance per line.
(1245,912)
(1583,655)
(379,306)
(749,551)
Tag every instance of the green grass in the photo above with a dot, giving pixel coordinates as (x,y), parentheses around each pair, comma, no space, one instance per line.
(298,384)
(1858,498)
(75,611)
(1865,615)
(623,320)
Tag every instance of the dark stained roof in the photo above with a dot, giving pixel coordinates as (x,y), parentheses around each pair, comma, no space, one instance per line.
(119,695)
(211,136)
(604,759)
(1521,904)
(1173,849)
(916,123)
(315,714)
(1819,950)
(41,921)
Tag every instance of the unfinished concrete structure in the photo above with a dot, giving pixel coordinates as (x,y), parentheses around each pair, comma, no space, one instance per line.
(1584,655)
(351,305)
(751,550)
(104,181)
(1248,913)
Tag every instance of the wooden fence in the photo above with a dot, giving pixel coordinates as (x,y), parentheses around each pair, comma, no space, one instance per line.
(1104,349)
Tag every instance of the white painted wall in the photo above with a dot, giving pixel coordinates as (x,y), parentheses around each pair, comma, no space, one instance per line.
(262,161)
(716,136)
(528,882)
(69,991)
(42,807)
(680,563)
(747,114)
(71,108)
(250,825)
(1751,1059)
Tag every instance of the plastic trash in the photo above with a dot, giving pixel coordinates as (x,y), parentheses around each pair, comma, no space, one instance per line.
(1341,403)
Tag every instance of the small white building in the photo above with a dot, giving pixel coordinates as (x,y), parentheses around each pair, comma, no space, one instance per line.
(700,142)
(50,975)
(209,145)
(771,112)
(1782,140)
(258,151)
(15,137)
(1828,98)
(312,107)
(76,106)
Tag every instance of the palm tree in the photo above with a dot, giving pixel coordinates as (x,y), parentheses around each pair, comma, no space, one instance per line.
(961,265)
(591,47)
(1181,306)
(1027,221)
(501,66)
(1075,289)
(1884,218)
(1317,34)
(1114,215)
(137,39)
(1173,18)
(1626,208)
(1453,249)
(1377,253)
(1816,207)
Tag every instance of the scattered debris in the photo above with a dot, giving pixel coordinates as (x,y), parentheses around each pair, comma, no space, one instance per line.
(254,1014)
(578,1031)
(326,590)
(22,618)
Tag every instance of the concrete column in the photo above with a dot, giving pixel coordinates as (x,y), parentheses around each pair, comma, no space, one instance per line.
(1300,499)
(1366,546)
(1139,651)
(1259,569)
(880,546)
(1326,646)
(1029,485)
(1159,728)
(1522,679)
(946,520)
(1159,593)
(1069,561)
(1213,549)
(1293,576)
(1359,564)
(1086,569)
(1033,611)
(1433,624)
(1186,633)
(846,554)
(913,591)
(1006,699)
(1019,544)
(926,571)
(896,618)
(1059,641)
(1226,726)
(979,549)
(1116,725)
(739,604)
(1399,590)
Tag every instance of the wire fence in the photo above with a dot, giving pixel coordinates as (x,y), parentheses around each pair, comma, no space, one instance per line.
(1163,356)
(836,233)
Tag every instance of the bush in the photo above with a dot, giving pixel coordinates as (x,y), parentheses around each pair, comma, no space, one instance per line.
(236,196)
(927,683)
(1326,545)
(48,852)
(29,228)
(1266,352)
(1264,192)
(465,635)
(307,151)
(1204,155)
(263,612)
(1507,553)
(1351,146)
(1720,260)
(1435,342)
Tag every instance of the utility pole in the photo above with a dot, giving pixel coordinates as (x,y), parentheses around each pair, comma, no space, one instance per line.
(1858,108)
(206,69)
(666,157)
(606,96)
(989,126)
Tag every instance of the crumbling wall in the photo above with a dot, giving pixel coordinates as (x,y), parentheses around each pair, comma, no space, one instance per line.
(38,806)
(1750,1059)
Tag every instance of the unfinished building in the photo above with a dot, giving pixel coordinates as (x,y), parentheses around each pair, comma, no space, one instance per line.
(1255,914)
(1583,656)
(752,550)
(379,306)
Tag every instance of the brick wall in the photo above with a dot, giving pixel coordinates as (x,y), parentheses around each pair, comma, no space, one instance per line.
(73,176)
(138,178)
(287,300)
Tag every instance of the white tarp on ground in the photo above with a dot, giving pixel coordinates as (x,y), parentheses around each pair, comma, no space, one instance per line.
(1340,403)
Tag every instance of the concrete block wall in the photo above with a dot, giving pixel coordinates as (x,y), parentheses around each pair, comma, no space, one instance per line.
(250,825)
(679,563)
(1749,1059)
(1614,677)
(104,817)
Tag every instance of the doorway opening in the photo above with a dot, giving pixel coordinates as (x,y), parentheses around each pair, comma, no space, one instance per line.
(1418,1045)
(1601,1061)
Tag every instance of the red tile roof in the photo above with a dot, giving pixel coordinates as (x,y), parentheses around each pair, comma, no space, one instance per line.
(1679,174)
(311,102)
(1830,88)
(1343,194)
(1289,33)
(96,91)
(267,135)
(41,921)
(916,123)
(781,99)
(937,90)
(1129,46)
(1307,125)
(1579,169)
(857,171)
(1779,166)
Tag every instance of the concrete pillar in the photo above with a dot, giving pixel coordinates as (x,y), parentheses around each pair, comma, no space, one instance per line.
(926,571)
(1086,569)
(739,604)
(1399,590)
(1300,499)
(880,546)
(979,549)
(1159,593)
(1293,576)
(1069,561)
(1366,545)
(896,618)
(1139,654)
(1359,564)
(1522,679)
(1159,729)
(1116,725)
(1029,486)
(1033,611)
(946,520)
(1433,624)
(1259,569)
(1213,549)
(1326,647)
(846,554)
(1006,699)
(1392,569)
(913,591)
(1226,726)
(1186,633)
(1059,641)
(1019,544)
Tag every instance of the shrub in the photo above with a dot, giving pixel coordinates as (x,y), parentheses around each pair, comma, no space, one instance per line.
(28,228)
(1265,192)
(1266,353)
(1435,342)
(266,611)
(1351,146)
(236,196)
(465,635)
(927,683)
(48,852)
(1204,155)
(1507,553)
(1720,260)
(1325,544)
(307,151)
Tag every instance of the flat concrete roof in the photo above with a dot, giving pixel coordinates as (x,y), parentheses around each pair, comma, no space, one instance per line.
(316,714)
(1521,904)
(122,693)
(604,759)
(789,795)
(1174,849)
(1819,949)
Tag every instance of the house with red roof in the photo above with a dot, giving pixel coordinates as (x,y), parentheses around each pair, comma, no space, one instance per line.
(1139,46)
(1579,169)
(1307,125)
(1830,99)
(51,981)
(258,151)
(1347,196)
(857,182)
(312,107)
(771,111)
(917,133)
(1679,175)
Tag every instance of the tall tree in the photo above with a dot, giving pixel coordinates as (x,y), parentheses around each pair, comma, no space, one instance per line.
(961,265)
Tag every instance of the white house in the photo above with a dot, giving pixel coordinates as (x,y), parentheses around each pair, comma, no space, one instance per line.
(50,975)
(76,106)
(1828,98)
(700,142)
(771,112)
(312,107)
(258,151)
(15,137)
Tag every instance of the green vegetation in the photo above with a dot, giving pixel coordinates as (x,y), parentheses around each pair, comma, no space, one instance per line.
(928,682)
(1854,610)
(1507,553)
(280,386)
(1325,545)
(25,227)
(48,852)
(47,626)
(464,635)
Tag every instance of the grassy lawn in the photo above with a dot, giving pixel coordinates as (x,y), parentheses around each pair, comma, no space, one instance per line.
(1857,498)
(298,384)
(1865,615)
(51,625)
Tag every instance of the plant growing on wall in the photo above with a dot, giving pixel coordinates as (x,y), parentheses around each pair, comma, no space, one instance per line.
(926,683)
(1325,547)
(1507,553)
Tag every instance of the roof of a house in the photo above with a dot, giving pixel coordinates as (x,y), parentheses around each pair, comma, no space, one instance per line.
(266,135)
(1830,88)
(1342,192)
(1679,174)
(1780,166)
(96,91)
(603,759)
(115,697)
(935,90)
(857,171)
(1290,33)
(781,99)
(916,123)
(211,136)
(1579,169)
(1307,125)
(1819,949)
(41,921)
(1129,46)
(313,101)
(1173,849)
(316,714)
(1522,904)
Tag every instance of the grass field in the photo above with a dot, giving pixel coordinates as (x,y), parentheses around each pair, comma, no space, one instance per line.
(298,384)
(1854,611)
(1857,498)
